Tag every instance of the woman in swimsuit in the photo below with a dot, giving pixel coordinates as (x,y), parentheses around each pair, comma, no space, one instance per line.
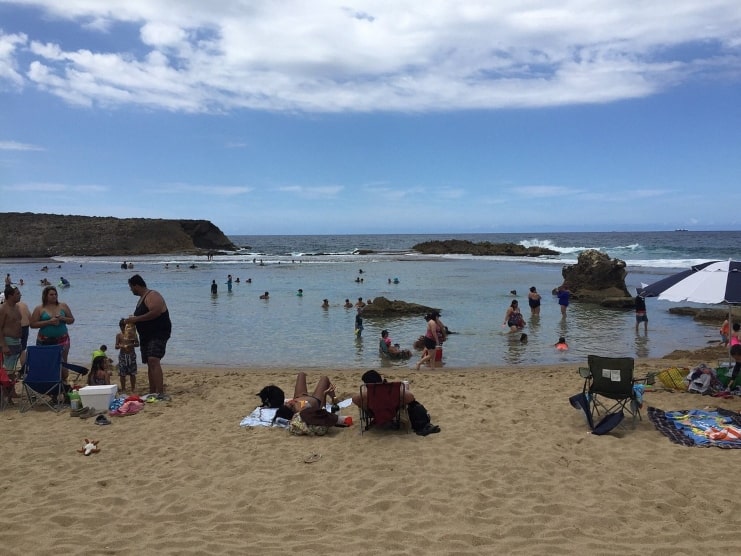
(513,317)
(533,299)
(303,400)
(52,318)
(430,341)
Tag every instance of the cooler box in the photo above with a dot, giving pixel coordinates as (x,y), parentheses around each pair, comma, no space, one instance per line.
(439,353)
(98,397)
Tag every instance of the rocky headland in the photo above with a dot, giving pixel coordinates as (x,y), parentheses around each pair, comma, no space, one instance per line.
(483,248)
(48,235)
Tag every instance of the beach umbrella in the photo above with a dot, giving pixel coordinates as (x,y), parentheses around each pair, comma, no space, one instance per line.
(660,286)
(713,282)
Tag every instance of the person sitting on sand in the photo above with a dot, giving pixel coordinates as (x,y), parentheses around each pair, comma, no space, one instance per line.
(374,377)
(98,374)
(311,407)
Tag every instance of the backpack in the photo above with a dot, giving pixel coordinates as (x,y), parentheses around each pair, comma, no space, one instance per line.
(418,416)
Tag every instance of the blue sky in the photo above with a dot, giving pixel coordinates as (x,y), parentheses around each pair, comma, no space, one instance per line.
(319,117)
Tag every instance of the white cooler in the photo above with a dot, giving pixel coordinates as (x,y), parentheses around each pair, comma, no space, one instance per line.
(98,397)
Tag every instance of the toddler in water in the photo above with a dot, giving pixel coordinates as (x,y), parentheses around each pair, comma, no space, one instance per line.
(126,341)
(561,344)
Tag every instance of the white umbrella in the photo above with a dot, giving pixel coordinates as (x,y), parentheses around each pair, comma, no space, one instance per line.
(718,282)
(714,282)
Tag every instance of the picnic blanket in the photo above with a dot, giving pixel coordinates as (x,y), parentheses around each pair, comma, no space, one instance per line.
(698,427)
(263,416)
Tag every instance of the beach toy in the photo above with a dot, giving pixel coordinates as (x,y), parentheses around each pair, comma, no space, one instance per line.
(89,447)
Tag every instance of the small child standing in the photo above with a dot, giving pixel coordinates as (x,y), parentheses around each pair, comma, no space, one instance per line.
(126,341)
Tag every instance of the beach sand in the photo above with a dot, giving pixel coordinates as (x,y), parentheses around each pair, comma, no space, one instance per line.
(513,471)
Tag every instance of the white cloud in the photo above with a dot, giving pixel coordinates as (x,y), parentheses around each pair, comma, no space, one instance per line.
(16,146)
(50,187)
(9,44)
(318,192)
(539,191)
(217,190)
(324,56)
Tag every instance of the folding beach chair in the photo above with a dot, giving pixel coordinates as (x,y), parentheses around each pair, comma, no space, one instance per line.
(43,377)
(7,384)
(609,386)
(384,404)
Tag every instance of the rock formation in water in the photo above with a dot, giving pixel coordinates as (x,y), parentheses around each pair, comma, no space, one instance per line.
(382,307)
(597,278)
(47,235)
(484,248)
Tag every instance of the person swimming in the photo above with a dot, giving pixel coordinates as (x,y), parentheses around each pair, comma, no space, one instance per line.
(561,345)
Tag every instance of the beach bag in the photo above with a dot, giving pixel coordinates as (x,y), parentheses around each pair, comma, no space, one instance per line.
(418,416)
(299,427)
(605,425)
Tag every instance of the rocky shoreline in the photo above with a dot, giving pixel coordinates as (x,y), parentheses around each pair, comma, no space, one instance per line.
(484,248)
(30,235)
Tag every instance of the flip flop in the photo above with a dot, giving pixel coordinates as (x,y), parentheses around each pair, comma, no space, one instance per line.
(102,420)
(311,458)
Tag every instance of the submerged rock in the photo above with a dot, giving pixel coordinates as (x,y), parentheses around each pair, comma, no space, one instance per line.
(382,307)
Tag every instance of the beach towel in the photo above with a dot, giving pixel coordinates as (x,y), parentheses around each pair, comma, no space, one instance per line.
(263,416)
(720,428)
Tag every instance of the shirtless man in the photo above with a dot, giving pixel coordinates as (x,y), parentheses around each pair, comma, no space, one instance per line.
(10,328)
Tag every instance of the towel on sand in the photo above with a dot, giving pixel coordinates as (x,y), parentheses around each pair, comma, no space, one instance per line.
(263,416)
(697,427)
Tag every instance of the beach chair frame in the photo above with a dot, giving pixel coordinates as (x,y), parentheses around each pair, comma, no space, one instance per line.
(43,378)
(608,383)
(384,405)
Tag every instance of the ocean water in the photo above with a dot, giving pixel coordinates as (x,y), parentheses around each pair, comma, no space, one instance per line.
(240,330)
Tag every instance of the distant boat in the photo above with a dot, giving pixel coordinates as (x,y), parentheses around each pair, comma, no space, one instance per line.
(681,230)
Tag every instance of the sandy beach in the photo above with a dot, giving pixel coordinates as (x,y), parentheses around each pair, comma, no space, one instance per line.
(513,471)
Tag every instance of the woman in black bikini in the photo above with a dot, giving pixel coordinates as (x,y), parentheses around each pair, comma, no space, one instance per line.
(303,400)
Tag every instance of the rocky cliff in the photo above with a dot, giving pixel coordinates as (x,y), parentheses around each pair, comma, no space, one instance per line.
(47,235)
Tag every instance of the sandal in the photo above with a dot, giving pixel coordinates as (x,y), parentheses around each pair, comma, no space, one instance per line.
(311,458)
(102,420)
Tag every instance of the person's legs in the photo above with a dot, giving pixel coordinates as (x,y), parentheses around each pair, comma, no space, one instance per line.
(321,389)
(301,388)
(156,379)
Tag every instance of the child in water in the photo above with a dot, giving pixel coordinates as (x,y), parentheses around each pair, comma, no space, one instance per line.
(561,344)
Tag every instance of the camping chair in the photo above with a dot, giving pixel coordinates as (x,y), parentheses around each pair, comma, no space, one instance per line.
(384,404)
(43,377)
(609,386)
(7,384)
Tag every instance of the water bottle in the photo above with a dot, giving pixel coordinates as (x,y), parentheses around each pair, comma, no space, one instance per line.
(281,422)
(74,400)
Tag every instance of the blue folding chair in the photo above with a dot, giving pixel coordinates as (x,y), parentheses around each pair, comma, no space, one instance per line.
(43,379)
